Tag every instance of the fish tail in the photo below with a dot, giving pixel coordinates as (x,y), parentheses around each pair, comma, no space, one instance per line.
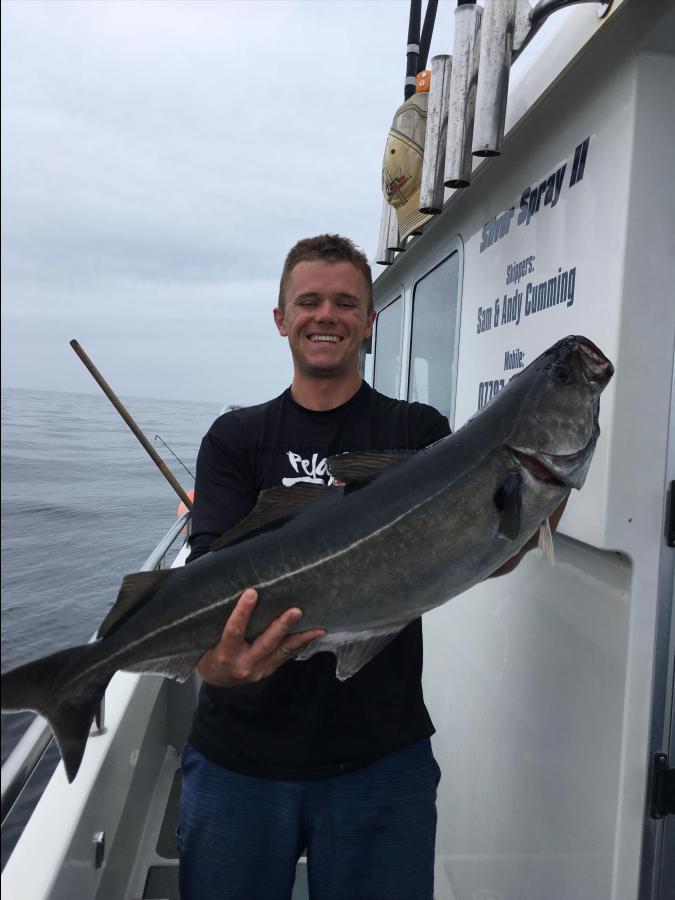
(51,687)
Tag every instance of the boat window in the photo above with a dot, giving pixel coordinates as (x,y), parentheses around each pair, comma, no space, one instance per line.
(388,335)
(433,342)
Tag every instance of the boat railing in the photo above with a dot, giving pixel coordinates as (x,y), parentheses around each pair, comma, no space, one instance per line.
(32,746)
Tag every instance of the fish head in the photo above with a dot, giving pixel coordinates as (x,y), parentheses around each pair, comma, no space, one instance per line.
(555,414)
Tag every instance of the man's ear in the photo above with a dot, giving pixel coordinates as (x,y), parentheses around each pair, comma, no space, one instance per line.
(279,321)
(370,322)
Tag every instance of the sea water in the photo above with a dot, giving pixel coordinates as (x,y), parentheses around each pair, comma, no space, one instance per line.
(82,506)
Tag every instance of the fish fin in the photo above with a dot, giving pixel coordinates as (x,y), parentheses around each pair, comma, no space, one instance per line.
(177,667)
(274,506)
(135,590)
(49,686)
(546,540)
(508,499)
(352,649)
(348,467)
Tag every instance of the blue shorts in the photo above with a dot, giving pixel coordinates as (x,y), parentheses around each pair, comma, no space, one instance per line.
(369,834)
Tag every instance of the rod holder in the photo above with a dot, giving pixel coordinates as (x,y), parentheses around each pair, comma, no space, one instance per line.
(462,98)
(433,166)
(394,241)
(385,256)
(496,49)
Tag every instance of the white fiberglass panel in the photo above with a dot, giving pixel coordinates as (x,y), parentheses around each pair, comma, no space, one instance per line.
(544,258)
(526,692)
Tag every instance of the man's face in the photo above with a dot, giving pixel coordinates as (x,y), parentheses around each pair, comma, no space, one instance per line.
(325,317)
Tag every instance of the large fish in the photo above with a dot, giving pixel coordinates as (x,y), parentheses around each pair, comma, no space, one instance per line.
(403,535)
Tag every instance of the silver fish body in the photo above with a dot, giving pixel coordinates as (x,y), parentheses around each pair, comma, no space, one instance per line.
(362,561)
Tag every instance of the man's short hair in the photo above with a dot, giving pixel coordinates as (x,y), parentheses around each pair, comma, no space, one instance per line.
(326,248)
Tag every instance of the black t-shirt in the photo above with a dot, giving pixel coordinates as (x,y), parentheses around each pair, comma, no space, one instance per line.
(301,722)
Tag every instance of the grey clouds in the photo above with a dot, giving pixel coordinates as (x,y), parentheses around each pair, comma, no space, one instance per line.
(158,161)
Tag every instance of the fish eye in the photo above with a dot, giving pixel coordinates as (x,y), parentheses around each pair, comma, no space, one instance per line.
(561,375)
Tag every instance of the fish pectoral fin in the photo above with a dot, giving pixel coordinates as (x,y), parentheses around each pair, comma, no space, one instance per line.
(352,649)
(350,467)
(135,590)
(177,667)
(546,540)
(508,498)
(274,506)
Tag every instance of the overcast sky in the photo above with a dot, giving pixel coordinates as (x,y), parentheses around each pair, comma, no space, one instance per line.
(160,157)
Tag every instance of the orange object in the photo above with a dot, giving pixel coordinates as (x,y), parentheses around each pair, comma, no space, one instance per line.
(182,508)
(423,81)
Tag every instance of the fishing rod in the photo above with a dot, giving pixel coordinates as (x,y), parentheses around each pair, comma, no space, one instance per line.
(417,51)
(413,48)
(114,399)
(158,438)
(427,33)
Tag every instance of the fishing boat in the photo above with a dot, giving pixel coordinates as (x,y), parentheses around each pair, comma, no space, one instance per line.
(547,208)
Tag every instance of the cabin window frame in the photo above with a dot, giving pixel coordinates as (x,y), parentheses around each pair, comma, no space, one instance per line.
(432,264)
(397,295)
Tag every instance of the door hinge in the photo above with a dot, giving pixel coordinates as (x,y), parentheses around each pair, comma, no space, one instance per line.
(663,787)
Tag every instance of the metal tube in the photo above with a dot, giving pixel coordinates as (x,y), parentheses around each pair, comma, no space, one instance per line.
(496,48)
(160,551)
(116,402)
(433,166)
(462,99)
(385,256)
(394,241)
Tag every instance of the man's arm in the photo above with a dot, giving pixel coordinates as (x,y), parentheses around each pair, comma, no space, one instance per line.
(429,426)
(225,490)
(511,564)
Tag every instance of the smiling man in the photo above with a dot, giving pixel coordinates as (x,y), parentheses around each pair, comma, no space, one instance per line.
(282,756)
(325,310)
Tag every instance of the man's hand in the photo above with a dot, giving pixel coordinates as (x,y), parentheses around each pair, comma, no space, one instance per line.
(235,661)
(511,564)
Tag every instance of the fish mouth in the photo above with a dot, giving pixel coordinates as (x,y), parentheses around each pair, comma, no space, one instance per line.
(567,471)
(537,468)
(597,368)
